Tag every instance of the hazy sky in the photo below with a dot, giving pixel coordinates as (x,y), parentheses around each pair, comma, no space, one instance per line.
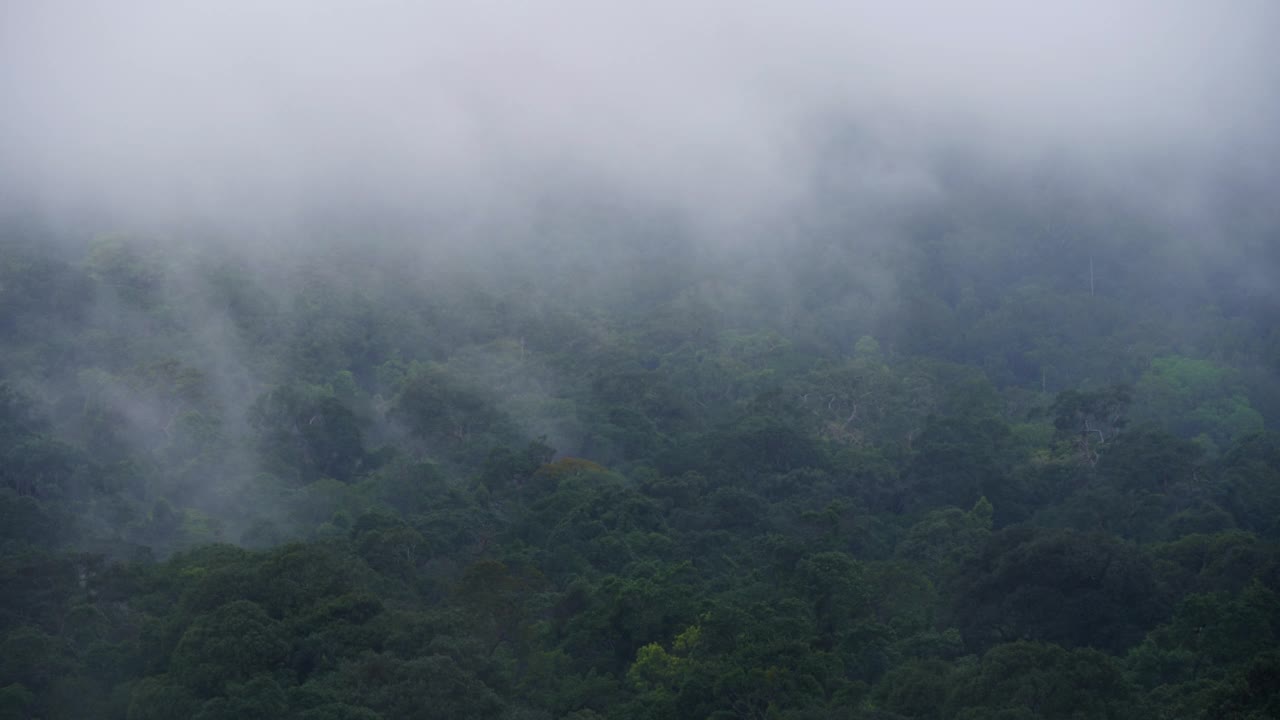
(164,109)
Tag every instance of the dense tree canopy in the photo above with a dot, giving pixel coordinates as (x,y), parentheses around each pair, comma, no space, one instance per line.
(331,489)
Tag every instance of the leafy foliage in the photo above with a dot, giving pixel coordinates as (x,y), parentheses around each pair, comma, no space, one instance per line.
(552,495)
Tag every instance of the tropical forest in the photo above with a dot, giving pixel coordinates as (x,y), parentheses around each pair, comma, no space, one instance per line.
(356,370)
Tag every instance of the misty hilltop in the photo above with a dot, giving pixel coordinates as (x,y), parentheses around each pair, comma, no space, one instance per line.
(725,360)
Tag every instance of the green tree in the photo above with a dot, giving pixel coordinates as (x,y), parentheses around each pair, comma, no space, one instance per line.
(232,644)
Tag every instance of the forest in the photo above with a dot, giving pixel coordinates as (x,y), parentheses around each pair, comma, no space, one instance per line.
(376,362)
(326,488)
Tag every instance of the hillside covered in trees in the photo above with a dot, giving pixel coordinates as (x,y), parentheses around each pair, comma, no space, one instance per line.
(607,361)
(637,482)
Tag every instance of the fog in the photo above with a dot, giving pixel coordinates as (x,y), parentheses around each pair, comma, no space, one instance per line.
(316,195)
(581,359)
(262,117)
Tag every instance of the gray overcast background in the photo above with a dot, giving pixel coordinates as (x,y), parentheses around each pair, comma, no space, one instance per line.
(157,112)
